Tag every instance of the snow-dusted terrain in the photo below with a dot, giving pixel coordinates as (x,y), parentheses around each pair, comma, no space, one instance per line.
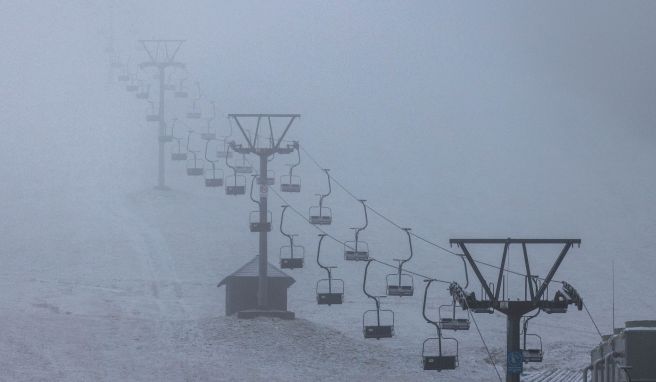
(445,118)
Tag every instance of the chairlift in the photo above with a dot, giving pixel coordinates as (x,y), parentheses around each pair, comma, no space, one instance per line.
(255,218)
(291,256)
(358,250)
(329,291)
(320,215)
(213,176)
(270,178)
(169,86)
(194,164)
(235,184)
(177,154)
(433,357)
(194,113)
(223,151)
(132,87)
(244,167)
(144,91)
(533,354)
(452,322)
(399,283)
(210,134)
(291,182)
(180,92)
(152,116)
(373,328)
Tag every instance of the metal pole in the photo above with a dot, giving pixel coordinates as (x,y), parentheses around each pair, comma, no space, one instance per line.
(512,341)
(263,287)
(161,182)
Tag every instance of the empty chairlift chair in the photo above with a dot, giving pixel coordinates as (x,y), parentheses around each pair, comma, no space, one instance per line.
(535,353)
(195,112)
(358,250)
(167,134)
(194,164)
(235,184)
(451,322)
(320,215)
(270,178)
(213,175)
(401,284)
(152,116)
(291,182)
(291,256)
(177,154)
(376,323)
(209,133)
(180,92)
(254,220)
(432,352)
(243,166)
(330,291)
(144,91)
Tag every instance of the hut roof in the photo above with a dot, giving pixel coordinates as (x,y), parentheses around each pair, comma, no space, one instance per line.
(250,269)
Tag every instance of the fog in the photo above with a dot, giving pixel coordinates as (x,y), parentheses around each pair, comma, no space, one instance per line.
(458,119)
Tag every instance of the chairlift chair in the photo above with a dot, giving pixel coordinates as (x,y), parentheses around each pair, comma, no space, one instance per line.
(452,322)
(235,184)
(213,176)
(291,182)
(358,250)
(180,92)
(144,91)
(320,215)
(270,178)
(291,256)
(254,222)
(533,354)
(209,134)
(401,284)
(178,154)
(254,217)
(373,328)
(437,360)
(194,164)
(244,167)
(330,291)
(195,114)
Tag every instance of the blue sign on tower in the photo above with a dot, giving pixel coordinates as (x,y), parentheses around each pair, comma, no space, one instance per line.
(515,362)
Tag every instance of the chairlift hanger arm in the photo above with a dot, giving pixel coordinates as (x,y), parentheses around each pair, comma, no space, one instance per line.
(423,309)
(282,217)
(252,184)
(501,269)
(478,273)
(364,285)
(553,270)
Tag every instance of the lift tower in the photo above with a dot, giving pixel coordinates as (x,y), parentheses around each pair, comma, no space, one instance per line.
(534,296)
(264,145)
(161,54)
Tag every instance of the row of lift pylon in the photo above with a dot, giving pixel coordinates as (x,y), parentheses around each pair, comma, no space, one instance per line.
(376,323)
